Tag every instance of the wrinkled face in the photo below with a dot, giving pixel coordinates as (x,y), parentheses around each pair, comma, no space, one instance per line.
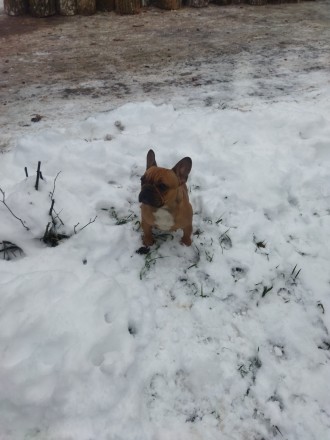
(158,186)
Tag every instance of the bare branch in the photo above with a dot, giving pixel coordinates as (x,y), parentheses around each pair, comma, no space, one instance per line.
(52,210)
(52,193)
(4,202)
(46,231)
(90,221)
(51,207)
(57,216)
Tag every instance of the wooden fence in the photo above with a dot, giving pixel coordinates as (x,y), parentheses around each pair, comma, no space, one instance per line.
(46,8)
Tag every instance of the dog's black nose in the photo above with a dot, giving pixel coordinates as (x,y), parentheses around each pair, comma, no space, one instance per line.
(149,196)
(145,195)
(142,198)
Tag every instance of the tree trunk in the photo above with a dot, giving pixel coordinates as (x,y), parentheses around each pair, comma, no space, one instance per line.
(66,7)
(42,8)
(197,3)
(128,6)
(86,7)
(169,4)
(16,7)
(105,5)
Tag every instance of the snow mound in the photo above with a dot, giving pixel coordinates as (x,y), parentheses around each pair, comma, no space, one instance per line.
(226,339)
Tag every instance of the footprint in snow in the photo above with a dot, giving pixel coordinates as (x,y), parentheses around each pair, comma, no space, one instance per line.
(238,272)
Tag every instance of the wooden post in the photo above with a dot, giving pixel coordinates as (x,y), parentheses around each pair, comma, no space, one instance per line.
(223,2)
(15,7)
(128,6)
(42,8)
(86,7)
(169,4)
(38,176)
(105,5)
(257,2)
(66,7)
(197,3)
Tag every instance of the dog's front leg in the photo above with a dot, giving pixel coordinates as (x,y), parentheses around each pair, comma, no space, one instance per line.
(147,238)
(186,239)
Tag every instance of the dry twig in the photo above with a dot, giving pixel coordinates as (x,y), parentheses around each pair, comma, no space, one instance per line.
(4,202)
(90,221)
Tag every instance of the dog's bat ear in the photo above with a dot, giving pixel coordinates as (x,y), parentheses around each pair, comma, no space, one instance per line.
(182,169)
(151,159)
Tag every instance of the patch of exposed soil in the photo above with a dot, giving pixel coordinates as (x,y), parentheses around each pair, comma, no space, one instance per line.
(201,55)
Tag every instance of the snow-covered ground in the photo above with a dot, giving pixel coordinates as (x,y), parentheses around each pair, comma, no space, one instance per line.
(228,339)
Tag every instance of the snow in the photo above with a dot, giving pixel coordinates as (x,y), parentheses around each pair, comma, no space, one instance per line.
(225,339)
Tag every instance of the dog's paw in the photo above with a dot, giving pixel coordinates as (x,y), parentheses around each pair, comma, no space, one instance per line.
(186,241)
(148,241)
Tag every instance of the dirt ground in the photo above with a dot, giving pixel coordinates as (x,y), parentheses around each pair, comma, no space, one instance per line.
(102,61)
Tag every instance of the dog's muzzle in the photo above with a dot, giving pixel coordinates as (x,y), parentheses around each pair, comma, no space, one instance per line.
(150,196)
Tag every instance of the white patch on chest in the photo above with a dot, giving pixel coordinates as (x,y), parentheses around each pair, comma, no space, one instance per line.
(163,219)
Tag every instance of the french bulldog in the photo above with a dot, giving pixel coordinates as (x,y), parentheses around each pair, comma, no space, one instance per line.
(164,199)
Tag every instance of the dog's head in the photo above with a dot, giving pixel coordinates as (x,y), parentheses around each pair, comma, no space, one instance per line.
(159,185)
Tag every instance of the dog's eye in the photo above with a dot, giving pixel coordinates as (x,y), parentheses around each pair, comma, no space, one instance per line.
(143,180)
(162,187)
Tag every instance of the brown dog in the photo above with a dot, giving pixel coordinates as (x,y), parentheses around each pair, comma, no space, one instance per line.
(164,199)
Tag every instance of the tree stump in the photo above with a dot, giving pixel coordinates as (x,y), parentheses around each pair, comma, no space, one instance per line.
(42,8)
(66,7)
(128,6)
(16,7)
(197,3)
(105,5)
(169,4)
(86,7)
